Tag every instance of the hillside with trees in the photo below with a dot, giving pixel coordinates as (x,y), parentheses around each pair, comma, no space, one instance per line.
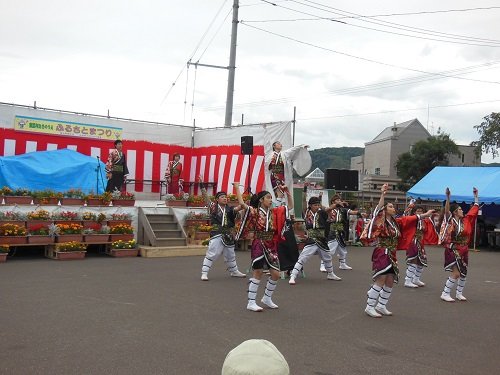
(334,157)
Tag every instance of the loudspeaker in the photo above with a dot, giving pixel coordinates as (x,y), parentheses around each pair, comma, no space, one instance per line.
(341,179)
(247,145)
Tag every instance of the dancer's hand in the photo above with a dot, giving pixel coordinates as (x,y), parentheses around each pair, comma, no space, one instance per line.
(447,192)
(474,190)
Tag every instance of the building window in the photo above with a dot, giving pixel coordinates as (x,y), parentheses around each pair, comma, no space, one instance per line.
(374,186)
(377,171)
(463,157)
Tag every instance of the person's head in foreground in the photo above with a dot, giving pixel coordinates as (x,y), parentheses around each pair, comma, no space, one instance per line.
(254,357)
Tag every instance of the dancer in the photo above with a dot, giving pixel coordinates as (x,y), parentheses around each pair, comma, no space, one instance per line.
(173,175)
(387,234)
(268,224)
(116,168)
(222,217)
(278,169)
(315,219)
(416,258)
(338,219)
(455,235)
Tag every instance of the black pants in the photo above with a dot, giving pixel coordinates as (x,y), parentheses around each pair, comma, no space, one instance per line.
(115,182)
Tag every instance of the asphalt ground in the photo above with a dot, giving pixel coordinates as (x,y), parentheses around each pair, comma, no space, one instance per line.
(106,315)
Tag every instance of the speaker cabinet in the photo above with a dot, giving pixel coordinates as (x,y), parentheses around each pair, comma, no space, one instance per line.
(341,179)
(247,145)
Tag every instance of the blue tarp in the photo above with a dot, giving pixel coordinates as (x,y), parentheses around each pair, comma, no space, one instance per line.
(58,170)
(460,180)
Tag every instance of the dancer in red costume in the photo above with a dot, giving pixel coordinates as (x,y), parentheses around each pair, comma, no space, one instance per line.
(267,223)
(455,235)
(387,233)
(173,175)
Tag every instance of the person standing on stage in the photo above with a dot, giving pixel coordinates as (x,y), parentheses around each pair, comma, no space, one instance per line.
(455,235)
(222,217)
(116,168)
(173,175)
(316,222)
(387,234)
(268,223)
(338,220)
(416,258)
(278,169)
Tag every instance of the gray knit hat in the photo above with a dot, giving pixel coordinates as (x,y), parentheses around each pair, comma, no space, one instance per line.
(254,357)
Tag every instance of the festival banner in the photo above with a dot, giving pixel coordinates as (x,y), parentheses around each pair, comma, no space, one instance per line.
(66,128)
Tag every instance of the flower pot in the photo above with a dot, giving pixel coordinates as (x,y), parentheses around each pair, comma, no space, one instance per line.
(123,252)
(94,202)
(34,223)
(12,199)
(14,222)
(201,235)
(49,201)
(90,224)
(3,257)
(123,237)
(176,203)
(69,237)
(72,201)
(113,223)
(69,255)
(124,202)
(96,238)
(13,240)
(40,239)
(67,222)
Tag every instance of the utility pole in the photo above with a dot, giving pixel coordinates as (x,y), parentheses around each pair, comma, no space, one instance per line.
(232,66)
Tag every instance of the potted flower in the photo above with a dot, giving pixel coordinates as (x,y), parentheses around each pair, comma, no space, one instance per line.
(123,232)
(93,199)
(4,251)
(37,217)
(96,234)
(202,232)
(90,219)
(47,197)
(65,217)
(177,200)
(16,196)
(106,198)
(13,217)
(69,232)
(40,234)
(12,234)
(196,201)
(73,197)
(123,249)
(123,198)
(70,250)
(119,218)
(194,218)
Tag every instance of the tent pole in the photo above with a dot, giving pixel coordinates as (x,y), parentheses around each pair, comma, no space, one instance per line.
(475,231)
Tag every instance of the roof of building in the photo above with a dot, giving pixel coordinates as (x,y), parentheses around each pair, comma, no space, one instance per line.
(388,132)
(317,174)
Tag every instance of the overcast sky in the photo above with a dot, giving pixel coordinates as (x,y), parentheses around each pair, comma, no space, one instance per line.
(349,76)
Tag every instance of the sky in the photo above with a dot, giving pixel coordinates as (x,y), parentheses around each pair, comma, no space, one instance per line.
(351,68)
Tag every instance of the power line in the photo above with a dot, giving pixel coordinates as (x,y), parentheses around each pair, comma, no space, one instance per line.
(389,24)
(364,58)
(397,110)
(454,38)
(363,88)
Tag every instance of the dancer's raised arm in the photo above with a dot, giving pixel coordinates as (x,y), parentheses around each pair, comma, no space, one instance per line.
(447,203)
(242,203)
(383,190)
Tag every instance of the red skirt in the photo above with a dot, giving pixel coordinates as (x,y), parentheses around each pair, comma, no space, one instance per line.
(456,255)
(384,261)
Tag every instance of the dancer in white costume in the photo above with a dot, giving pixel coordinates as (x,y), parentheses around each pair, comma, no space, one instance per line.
(317,231)
(221,241)
(338,219)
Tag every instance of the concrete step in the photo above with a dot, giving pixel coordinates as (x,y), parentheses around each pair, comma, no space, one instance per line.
(168,233)
(171,242)
(171,251)
(161,218)
(163,226)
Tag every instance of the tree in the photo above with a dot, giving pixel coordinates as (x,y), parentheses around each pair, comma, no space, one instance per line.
(423,157)
(489,133)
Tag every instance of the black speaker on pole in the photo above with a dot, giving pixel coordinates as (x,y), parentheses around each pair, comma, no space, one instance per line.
(247,145)
(341,179)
